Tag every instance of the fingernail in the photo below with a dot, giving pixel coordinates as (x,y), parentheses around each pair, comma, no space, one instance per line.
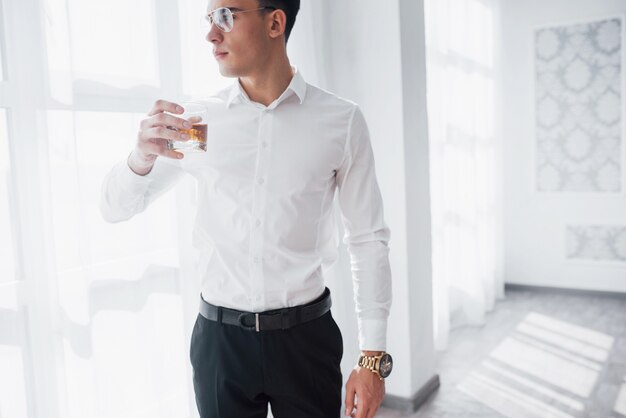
(180,155)
(187,125)
(179,109)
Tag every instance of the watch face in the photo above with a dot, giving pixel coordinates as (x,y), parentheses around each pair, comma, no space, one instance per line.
(386,364)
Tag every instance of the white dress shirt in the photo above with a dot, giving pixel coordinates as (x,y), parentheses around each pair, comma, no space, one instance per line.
(266,185)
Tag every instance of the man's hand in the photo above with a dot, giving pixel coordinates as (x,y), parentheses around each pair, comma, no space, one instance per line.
(369,391)
(154,133)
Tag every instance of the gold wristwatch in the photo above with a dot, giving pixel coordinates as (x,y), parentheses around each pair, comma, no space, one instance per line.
(380,364)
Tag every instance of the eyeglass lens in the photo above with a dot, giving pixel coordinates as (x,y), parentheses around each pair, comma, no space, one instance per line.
(223,18)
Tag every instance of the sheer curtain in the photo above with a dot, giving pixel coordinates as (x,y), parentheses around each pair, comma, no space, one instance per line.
(119,299)
(124,305)
(461,37)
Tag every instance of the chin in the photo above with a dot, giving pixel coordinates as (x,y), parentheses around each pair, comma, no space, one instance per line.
(229,72)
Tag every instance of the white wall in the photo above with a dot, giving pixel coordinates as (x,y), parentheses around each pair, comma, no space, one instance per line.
(534,221)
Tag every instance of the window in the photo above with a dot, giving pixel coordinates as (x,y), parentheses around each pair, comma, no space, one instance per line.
(462,115)
(96,325)
(2,35)
(1,58)
(200,71)
(13,393)
(114,42)
(83,146)
(117,283)
(7,247)
(13,396)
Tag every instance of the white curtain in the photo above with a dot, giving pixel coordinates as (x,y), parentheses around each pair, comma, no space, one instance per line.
(115,303)
(462,86)
(123,301)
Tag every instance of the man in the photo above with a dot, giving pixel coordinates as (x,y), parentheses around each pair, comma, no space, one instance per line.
(278,150)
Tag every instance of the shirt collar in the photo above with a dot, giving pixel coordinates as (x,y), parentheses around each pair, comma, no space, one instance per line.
(297,86)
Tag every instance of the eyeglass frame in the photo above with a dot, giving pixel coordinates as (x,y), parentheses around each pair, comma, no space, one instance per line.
(209,15)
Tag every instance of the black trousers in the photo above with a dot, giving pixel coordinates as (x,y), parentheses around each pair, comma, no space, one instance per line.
(237,371)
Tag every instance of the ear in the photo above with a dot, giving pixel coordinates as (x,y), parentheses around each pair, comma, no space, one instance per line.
(277,23)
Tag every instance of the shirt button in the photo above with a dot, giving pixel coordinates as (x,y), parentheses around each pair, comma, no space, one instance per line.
(258,222)
(261,180)
(257,260)
(264,144)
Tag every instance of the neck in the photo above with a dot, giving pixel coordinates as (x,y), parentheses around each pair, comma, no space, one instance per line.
(267,84)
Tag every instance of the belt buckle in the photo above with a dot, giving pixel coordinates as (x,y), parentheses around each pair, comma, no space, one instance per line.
(256,325)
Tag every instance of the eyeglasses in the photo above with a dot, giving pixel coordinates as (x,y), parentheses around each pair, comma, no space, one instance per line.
(223,16)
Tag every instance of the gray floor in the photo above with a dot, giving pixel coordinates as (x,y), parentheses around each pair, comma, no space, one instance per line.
(541,354)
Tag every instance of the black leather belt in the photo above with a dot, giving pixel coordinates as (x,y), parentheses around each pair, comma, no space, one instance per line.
(268,320)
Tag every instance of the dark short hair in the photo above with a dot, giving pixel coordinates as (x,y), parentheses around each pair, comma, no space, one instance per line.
(290,7)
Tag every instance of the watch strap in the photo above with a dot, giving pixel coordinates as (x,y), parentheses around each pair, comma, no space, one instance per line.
(372,363)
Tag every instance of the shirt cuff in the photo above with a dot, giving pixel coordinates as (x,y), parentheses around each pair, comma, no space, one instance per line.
(131,181)
(372,334)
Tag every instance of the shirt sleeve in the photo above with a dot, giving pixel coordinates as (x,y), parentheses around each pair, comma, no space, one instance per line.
(366,235)
(125,193)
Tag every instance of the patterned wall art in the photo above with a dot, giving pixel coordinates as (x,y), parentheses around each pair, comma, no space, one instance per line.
(596,242)
(578,107)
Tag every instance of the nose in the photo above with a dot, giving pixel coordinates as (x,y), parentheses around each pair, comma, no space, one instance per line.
(215,35)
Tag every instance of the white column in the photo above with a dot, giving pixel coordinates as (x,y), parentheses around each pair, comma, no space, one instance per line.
(376,57)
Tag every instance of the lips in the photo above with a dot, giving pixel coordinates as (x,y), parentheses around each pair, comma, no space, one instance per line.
(219,54)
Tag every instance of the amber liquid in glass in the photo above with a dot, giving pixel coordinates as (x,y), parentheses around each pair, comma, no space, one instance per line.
(197,139)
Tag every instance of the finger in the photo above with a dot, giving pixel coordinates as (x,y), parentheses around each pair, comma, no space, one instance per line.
(158,146)
(165,106)
(154,146)
(361,411)
(195,119)
(373,412)
(370,412)
(164,119)
(162,132)
(362,406)
(172,154)
(349,400)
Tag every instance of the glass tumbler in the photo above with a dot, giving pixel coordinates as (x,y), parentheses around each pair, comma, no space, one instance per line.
(194,112)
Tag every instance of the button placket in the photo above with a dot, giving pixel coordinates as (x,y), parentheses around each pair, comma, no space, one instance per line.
(258,209)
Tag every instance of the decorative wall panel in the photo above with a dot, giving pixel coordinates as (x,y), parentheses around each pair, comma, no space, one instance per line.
(578,107)
(596,242)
